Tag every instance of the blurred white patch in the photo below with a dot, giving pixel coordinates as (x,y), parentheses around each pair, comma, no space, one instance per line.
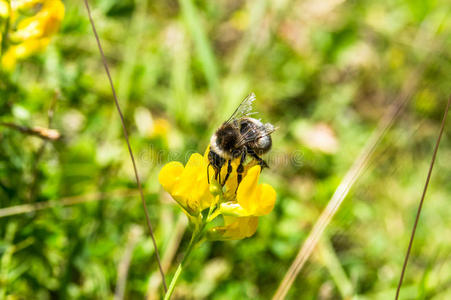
(319,9)
(213,272)
(20,112)
(109,152)
(318,136)
(72,121)
(143,120)
(359,55)
(174,37)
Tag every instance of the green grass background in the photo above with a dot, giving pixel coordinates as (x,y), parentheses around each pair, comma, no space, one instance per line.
(327,69)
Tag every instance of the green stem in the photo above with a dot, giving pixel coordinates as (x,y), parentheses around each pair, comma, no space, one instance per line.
(212,216)
(173,282)
(194,239)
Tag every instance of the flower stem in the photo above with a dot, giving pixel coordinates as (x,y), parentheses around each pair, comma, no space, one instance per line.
(194,239)
(168,295)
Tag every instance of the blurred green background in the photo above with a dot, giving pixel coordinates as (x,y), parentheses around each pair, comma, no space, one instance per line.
(324,72)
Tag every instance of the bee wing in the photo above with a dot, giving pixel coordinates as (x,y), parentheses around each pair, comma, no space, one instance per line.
(244,109)
(252,135)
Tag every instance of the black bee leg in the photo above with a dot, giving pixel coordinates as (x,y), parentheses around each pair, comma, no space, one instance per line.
(217,162)
(240,168)
(218,172)
(229,170)
(260,161)
(208,173)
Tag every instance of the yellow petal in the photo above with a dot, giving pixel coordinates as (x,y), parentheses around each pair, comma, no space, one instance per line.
(231,208)
(267,199)
(54,14)
(9,60)
(23,50)
(43,24)
(193,185)
(170,175)
(256,199)
(249,226)
(247,189)
(235,228)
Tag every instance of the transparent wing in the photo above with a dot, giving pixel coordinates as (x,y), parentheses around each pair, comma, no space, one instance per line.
(269,128)
(252,135)
(244,109)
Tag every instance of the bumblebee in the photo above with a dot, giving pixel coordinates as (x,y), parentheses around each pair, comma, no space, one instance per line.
(238,137)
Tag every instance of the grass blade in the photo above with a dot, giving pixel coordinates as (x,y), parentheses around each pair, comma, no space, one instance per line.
(205,52)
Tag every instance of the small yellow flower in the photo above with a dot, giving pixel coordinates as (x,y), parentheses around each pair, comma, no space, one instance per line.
(240,207)
(29,35)
(44,23)
(188,185)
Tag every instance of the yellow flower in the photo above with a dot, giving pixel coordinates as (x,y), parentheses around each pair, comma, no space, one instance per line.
(30,34)
(240,207)
(44,23)
(188,185)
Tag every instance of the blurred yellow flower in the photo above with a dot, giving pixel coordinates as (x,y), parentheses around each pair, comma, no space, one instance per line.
(160,128)
(240,207)
(28,35)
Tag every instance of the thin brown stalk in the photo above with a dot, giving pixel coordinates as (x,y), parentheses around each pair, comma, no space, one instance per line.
(67,201)
(105,65)
(420,206)
(358,167)
(41,132)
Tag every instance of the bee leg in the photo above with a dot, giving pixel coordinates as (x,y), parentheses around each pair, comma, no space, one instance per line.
(218,169)
(240,168)
(208,173)
(229,170)
(260,161)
